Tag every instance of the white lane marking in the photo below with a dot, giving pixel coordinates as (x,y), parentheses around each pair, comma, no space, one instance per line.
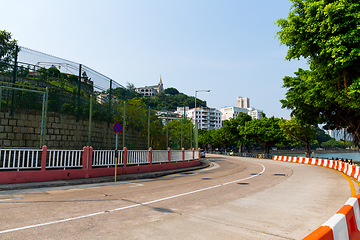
(132,206)
(9,199)
(136,185)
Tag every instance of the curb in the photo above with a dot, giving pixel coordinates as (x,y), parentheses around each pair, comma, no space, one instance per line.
(82,181)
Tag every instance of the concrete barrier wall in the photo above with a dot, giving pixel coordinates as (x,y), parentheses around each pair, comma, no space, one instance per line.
(345,224)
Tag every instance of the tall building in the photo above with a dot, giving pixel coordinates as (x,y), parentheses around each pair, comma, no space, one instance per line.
(151,91)
(207,118)
(243,102)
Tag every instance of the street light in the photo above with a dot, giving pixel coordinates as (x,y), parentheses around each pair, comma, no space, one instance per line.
(196,125)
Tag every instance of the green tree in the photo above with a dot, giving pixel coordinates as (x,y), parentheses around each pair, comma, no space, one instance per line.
(205,138)
(265,131)
(237,127)
(224,137)
(302,133)
(175,128)
(325,33)
(171,91)
(7,50)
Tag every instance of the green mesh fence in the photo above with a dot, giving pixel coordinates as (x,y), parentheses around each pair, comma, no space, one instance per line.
(70,86)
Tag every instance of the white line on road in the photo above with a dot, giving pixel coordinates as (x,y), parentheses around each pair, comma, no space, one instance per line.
(9,199)
(132,206)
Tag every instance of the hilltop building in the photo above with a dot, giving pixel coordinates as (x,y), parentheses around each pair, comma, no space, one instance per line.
(151,91)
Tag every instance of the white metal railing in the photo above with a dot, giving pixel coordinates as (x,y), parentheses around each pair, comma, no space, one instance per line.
(188,155)
(196,154)
(160,156)
(20,158)
(176,156)
(64,158)
(103,158)
(137,157)
(16,159)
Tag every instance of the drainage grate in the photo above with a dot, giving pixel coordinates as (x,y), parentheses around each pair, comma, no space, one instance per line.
(279,174)
(255,174)
(243,183)
(206,178)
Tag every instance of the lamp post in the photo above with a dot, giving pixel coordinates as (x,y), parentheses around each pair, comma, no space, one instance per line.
(196,125)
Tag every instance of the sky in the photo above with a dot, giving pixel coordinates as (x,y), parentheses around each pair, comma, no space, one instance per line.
(227,46)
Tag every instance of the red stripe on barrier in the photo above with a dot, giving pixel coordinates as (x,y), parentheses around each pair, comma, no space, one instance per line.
(348,211)
(322,233)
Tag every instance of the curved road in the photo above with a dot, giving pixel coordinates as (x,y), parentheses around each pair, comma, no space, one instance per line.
(237,198)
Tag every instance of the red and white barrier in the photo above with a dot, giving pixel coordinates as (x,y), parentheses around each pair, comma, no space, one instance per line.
(345,224)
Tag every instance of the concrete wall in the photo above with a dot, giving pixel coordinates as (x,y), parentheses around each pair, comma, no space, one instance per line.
(62,131)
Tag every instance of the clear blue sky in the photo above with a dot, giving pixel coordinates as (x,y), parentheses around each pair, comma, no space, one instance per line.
(227,46)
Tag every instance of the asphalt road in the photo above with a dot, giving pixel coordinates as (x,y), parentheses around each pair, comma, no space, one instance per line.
(236,198)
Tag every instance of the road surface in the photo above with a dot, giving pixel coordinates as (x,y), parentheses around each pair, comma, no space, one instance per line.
(236,198)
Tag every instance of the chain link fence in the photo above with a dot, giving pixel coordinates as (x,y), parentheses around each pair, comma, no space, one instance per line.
(78,90)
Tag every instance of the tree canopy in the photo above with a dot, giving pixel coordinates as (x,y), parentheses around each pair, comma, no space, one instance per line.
(326,34)
(303,133)
(265,131)
(7,50)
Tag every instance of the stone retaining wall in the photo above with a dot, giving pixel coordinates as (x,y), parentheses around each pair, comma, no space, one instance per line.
(62,131)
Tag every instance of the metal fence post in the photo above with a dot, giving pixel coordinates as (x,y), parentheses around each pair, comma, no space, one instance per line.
(90,117)
(149,127)
(45,115)
(78,101)
(110,99)
(124,127)
(0,97)
(14,80)
(167,129)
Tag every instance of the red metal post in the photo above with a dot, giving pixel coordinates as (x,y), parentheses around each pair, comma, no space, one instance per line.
(150,155)
(183,154)
(169,154)
(193,158)
(124,156)
(84,158)
(43,158)
(199,154)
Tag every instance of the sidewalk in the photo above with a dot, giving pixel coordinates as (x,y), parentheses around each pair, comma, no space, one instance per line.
(125,177)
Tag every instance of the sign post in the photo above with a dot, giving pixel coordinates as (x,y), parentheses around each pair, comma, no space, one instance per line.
(117,128)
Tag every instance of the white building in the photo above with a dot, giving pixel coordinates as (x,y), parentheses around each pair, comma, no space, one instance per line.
(151,91)
(103,97)
(182,110)
(255,113)
(243,105)
(207,118)
(167,116)
(231,112)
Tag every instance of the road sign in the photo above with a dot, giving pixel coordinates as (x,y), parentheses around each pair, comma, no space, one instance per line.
(118,128)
